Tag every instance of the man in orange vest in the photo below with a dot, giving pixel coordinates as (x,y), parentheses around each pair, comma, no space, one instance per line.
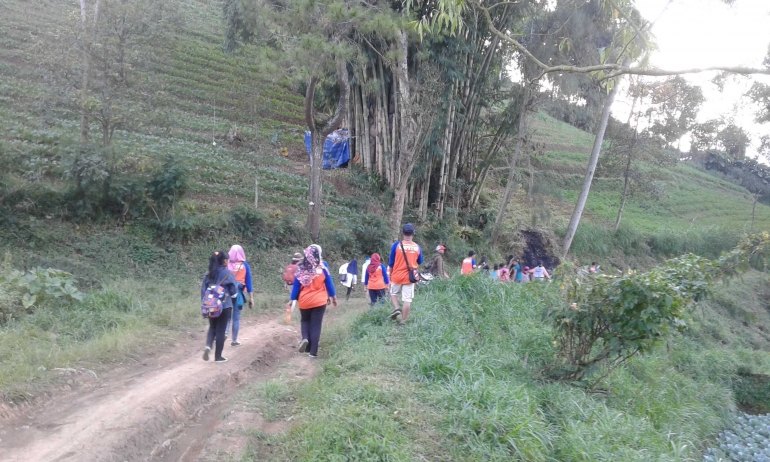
(469,264)
(405,255)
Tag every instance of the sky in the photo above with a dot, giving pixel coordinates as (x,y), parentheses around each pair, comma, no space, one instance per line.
(704,33)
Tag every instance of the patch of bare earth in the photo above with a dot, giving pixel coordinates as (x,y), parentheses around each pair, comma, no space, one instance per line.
(162,410)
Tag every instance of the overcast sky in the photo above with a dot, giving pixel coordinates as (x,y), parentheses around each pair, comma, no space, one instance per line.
(703,33)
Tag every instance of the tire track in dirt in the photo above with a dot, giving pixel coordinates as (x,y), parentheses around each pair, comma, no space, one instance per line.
(156,414)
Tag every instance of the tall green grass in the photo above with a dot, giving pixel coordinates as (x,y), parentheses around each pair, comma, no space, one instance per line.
(596,240)
(110,324)
(463,381)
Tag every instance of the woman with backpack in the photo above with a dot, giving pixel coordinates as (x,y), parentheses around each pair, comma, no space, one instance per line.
(376,279)
(313,287)
(242,273)
(219,289)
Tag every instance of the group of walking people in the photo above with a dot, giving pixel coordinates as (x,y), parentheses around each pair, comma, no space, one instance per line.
(510,271)
(308,280)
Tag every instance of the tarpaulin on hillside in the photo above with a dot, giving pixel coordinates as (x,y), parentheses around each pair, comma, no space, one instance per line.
(336,149)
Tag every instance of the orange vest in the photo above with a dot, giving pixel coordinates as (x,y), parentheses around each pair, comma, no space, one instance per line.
(240,273)
(467,266)
(376,281)
(315,294)
(399,274)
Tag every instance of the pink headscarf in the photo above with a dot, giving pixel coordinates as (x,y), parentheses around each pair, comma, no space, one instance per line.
(236,256)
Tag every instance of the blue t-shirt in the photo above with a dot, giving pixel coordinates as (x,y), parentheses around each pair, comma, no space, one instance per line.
(519,274)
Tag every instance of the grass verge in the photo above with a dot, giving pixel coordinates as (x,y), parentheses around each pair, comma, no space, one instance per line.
(463,382)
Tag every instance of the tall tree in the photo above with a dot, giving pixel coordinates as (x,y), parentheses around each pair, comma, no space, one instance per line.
(674,106)
(104,58)
(314,42)
(626,151)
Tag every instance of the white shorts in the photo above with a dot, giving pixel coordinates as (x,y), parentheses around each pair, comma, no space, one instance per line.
(406,291)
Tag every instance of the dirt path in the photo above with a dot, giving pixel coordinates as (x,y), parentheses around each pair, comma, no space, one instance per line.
(163,409)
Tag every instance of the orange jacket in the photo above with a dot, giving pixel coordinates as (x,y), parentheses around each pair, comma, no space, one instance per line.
(399,273)
(317,293)
(377,280)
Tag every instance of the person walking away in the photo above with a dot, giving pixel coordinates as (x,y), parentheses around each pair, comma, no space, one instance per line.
(405,256)
(364,267)
(504,274)
(540,273)
(469,264)
(437,264)
(519,274)
(350,276)
(312,288)
(496,272)
(376,279)
(242,272)
(526,275)
(291,271)
(484,266)
(219,275)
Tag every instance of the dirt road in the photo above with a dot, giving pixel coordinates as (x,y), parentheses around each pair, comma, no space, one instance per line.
(163,409)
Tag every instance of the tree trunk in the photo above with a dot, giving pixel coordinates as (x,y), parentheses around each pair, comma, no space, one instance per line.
(316,184)
(85,79)
(425,192)
(512,167)
(317,138)
(625,192)
(597,149)
(407,146)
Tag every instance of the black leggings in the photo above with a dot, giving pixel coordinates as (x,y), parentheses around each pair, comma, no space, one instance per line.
(217,328)
(376,295)
(310,320)
(350,289)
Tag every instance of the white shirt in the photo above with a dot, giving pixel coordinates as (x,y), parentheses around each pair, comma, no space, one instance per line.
(351,279)
(363,270)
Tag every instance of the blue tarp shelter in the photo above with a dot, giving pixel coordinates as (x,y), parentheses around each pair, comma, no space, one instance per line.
(336,149)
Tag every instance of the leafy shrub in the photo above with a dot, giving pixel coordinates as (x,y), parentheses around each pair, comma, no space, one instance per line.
(606,320)
(251,224)
(167,185)
(23,290)
(288,232)
(371,234)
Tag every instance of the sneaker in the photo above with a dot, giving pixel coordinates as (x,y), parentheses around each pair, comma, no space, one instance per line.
(396,313)
(206,353)
(221,360)
(235,343)
(303,346)
(312,356)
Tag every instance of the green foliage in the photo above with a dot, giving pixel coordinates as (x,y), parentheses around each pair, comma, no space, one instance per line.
(605,320)
(752,392)
(167,185)
(463,381)
(22,291)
